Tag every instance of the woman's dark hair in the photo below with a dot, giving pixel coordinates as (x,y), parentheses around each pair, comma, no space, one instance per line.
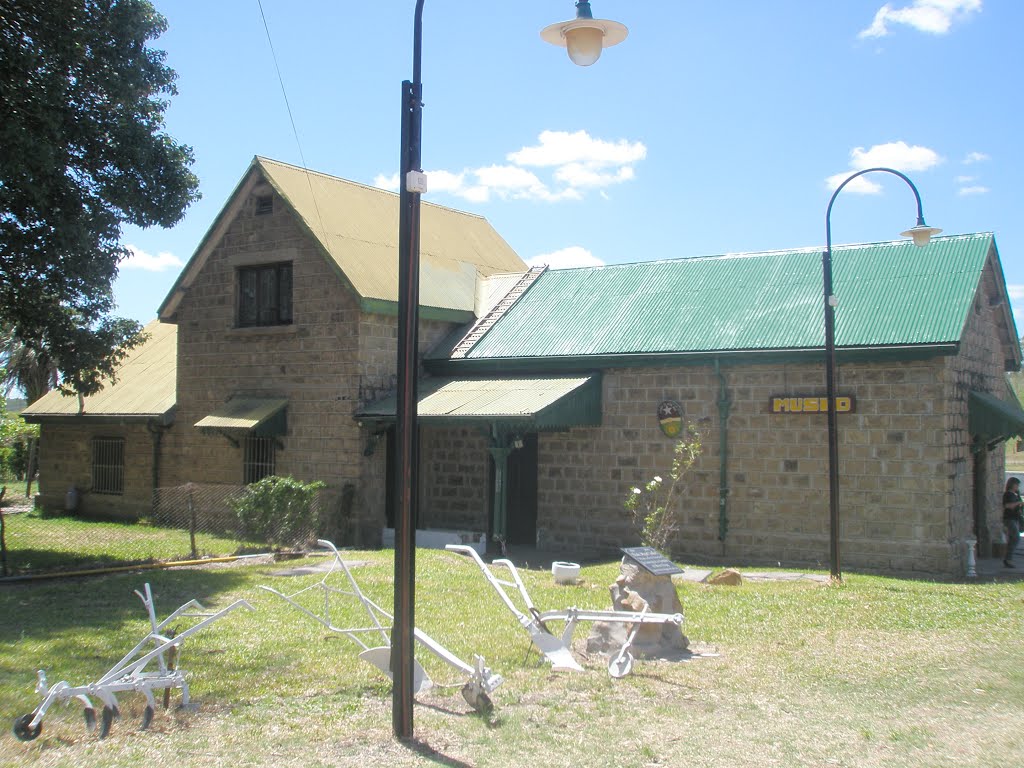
(1012,482)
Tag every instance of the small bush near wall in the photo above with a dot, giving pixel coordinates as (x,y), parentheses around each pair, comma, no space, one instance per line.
(279,510)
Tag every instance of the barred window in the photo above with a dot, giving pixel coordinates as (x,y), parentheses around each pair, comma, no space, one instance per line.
(108,465)
(258,461)
(265,295)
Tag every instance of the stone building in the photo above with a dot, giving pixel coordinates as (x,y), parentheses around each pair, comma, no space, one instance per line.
(548,394)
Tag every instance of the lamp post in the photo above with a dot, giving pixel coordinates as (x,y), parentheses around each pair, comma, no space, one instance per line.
(584,37)
(921,234)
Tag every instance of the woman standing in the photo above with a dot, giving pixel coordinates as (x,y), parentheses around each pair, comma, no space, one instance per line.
(1013,518)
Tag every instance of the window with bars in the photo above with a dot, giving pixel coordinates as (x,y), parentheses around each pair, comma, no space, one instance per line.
(265,295)
(258,461)
(108,465)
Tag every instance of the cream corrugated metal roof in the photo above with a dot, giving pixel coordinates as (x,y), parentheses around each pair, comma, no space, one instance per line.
(145,386)
(357,226)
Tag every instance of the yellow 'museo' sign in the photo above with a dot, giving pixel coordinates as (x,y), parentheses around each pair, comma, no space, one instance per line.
(811,404)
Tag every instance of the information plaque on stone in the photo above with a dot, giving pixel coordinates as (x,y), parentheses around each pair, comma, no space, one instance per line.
(652,560)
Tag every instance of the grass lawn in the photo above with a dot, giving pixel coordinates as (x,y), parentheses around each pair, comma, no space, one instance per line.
(38,544)
(874,672)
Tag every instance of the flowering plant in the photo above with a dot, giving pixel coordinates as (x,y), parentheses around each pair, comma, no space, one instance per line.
(655,506)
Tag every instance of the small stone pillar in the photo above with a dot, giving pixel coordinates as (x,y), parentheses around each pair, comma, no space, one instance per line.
(633,589)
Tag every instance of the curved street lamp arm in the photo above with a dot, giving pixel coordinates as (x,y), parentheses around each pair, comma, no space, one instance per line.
(851,177)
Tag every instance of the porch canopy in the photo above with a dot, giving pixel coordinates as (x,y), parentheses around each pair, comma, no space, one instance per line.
(257,416)
(522,404)
(992,420)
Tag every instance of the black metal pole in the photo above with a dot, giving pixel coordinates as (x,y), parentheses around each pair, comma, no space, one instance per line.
(402,634)
(830,365)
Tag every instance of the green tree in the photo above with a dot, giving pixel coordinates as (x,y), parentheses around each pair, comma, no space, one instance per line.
(84,151)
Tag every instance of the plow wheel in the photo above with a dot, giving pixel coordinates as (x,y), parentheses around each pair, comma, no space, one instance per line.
(21,728)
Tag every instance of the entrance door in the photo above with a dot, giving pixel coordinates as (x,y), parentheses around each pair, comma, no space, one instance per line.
(522,494)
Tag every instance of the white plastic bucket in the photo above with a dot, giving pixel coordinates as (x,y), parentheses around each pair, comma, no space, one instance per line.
(565,573)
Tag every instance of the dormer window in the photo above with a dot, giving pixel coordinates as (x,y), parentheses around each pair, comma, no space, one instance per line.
(264,205)
(265,295)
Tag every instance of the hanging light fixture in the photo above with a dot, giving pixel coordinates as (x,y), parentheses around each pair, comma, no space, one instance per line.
(585,37)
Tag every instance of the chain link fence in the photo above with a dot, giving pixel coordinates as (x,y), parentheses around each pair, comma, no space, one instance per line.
(187,522)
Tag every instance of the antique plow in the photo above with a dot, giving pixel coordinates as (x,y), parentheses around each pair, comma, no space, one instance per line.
(141,670)
(557,649)
(481,681)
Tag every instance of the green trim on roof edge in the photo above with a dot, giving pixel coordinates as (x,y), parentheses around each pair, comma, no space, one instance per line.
(390,308)
(483,366)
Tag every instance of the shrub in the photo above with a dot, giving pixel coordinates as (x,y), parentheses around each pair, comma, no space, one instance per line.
(279,510)
(655,507)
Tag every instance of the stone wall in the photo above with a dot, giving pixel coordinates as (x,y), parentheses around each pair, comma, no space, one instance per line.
(454,479)
(332,358)
(896,481)
(893,478)
(978,367)
(65,459)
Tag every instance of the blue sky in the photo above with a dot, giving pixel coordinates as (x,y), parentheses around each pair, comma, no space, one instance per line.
(715,127)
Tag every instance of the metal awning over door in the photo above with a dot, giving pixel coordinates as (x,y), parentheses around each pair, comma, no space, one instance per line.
(257,416)
(522,404)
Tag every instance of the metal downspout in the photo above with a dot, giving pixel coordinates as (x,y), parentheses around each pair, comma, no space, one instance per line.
(157,431)
(724,404)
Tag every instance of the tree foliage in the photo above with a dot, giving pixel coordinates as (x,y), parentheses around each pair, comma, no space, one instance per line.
(82,104)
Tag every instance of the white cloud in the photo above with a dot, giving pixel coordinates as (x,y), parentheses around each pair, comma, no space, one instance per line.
(975,157)
(566,166)
(389,183)
(161,262)
(566,258)
(934,17)
(897,155)
(579,175)
(1015,292)
(862,185)
(557,148)
(965,179)
(975,189)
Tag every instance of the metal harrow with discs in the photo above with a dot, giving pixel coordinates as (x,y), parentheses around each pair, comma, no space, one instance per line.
(131,673)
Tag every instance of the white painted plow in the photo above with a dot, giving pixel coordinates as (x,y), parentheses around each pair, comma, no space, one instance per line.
(130,674)
(557,650)
(481,681)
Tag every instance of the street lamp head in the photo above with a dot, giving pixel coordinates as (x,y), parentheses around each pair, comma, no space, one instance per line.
(584,37)
(921,234)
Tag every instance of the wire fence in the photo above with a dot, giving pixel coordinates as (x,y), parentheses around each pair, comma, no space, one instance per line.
(187,522)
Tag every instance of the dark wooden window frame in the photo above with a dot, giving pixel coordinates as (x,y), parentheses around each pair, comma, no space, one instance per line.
(265,295)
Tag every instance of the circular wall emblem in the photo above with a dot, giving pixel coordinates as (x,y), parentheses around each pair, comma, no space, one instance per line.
(670,417)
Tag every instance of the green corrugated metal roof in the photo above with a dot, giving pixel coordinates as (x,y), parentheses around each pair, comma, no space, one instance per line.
(890,293)
(145,386)
(538,403)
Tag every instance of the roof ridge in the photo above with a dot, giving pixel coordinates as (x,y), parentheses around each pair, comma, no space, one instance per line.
(806,249)
(368,187)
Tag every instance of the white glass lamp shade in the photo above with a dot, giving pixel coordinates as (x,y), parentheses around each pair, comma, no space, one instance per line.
(584,44)
(585,38)
(921,234)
